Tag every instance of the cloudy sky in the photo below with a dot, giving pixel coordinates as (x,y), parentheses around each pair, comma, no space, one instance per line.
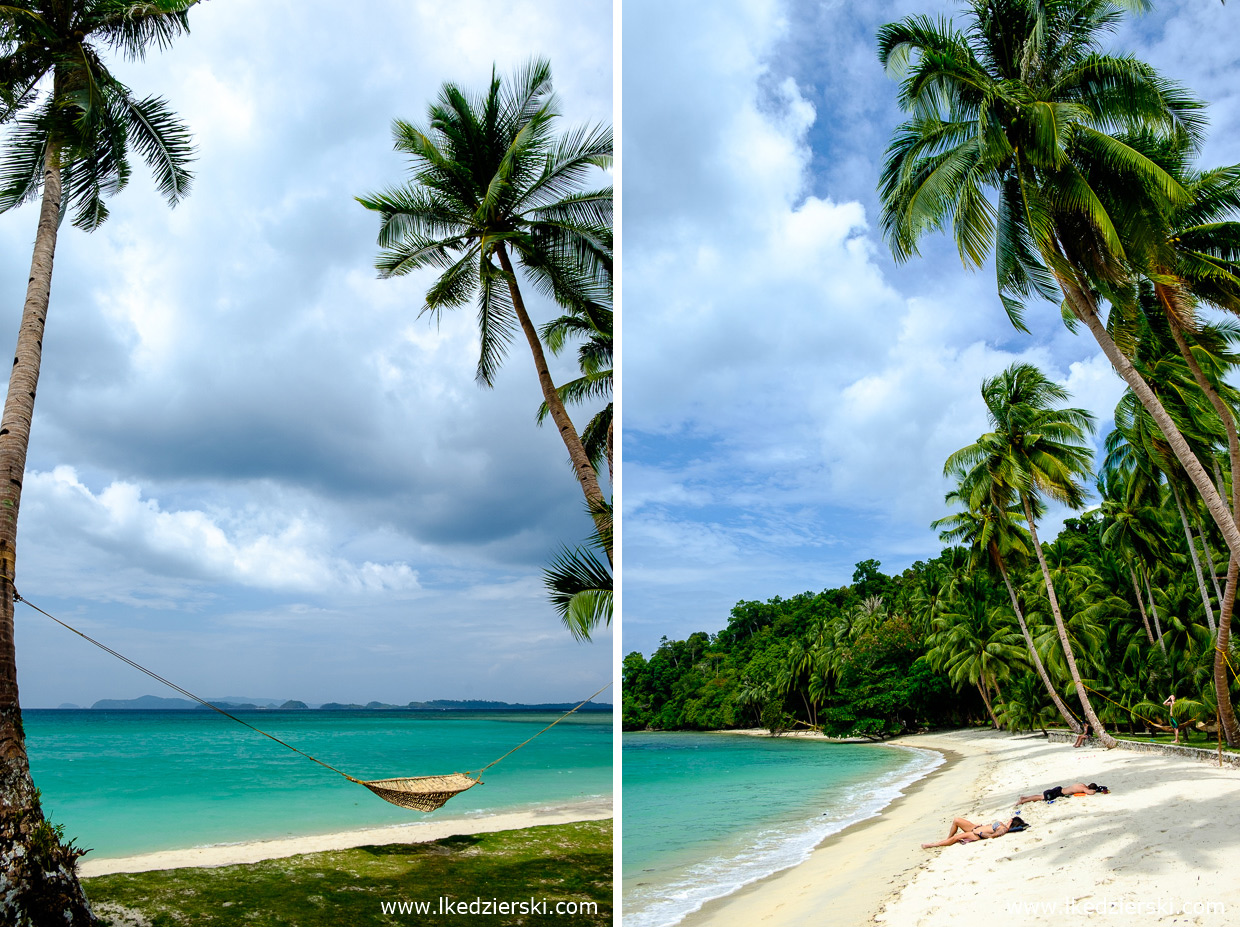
(253,468)
(790,393)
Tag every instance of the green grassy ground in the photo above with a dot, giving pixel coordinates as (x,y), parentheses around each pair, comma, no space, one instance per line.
(1205,741)
(566,863)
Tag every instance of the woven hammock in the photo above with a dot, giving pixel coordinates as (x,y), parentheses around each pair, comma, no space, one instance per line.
(418,793)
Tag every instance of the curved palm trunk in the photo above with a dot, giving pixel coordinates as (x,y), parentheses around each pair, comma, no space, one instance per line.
(989,710)
(572,441)
(38,877)
(1211,566)
(1067,715)
(1136,589)
(1192,552)
(1154,610)
(1090,715)
(1085,310)
(1222,647)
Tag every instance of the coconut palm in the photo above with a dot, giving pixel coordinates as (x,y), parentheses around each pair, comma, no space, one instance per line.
(494,187)
(1035,449)
(974,643)
(991,532)
(1021,139)
(1133,532)
(72,125)
(1198,260)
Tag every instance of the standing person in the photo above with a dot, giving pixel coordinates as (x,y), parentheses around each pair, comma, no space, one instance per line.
(1175,725)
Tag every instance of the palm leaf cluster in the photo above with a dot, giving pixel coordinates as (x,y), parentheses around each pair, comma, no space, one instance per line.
(56,92)
(491,176)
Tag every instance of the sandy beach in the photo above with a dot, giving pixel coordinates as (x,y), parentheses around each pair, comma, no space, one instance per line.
(415,832)
(1156,850)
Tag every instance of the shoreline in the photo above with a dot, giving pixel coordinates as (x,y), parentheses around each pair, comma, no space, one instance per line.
(413,832)
(838,865)
(722,880)
(1158,845)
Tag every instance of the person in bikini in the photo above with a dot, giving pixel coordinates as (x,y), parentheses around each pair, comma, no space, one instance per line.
(1059,791)
(965,831)
(1082,737)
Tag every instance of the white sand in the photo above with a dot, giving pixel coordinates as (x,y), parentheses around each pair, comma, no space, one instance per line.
(418,832)
(1158,849)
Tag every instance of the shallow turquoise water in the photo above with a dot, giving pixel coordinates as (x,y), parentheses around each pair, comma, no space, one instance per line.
(705,814)
(124,782)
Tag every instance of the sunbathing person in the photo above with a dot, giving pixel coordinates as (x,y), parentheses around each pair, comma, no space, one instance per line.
(1060,791)
(965,831)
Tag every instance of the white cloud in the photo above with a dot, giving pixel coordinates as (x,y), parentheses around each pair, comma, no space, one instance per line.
(270,550)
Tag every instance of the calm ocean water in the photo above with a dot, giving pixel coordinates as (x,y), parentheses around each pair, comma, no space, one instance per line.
(705,814)
(124,782)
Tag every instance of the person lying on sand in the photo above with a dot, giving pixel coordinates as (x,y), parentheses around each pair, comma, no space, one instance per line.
(1059,791)
(964,831)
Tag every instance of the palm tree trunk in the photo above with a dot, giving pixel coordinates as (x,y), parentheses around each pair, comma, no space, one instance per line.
(1136,588)
(1090,715)
(1084,309)
(990,711)
(572,441)
(1154,611)
(1192,552)
(1222,647)
(1209,555)
(38,876)
(1067,715)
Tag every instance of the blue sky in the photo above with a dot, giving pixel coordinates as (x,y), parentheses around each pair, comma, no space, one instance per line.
(253,468)
(790,393)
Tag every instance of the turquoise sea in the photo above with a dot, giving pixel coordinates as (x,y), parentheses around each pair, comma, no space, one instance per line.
(705,814)
(125,782)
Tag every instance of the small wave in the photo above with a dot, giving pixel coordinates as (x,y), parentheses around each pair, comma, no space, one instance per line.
(773,849)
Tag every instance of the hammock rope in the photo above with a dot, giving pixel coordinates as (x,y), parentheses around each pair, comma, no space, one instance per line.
(420,793)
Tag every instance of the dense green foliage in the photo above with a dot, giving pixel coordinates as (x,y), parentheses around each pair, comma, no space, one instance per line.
(932,645)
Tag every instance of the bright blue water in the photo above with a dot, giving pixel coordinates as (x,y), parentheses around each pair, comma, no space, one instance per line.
(705,814)
(124,782)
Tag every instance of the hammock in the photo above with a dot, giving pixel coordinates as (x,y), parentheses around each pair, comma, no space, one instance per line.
(418,793)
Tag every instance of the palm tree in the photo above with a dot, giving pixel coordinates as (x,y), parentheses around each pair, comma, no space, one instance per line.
(1133,531)
(72,125)
(992,534)
(973,643)
(1022,107)
(1034,449)
(1199,261)
(493,185)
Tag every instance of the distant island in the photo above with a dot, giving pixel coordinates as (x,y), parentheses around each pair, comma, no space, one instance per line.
(158,703)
